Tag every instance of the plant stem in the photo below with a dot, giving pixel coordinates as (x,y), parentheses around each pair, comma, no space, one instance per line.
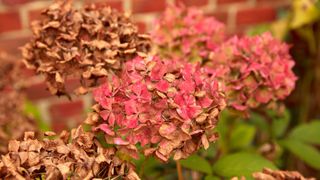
(179,170)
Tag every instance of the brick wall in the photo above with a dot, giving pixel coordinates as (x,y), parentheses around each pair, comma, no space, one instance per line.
(16,15)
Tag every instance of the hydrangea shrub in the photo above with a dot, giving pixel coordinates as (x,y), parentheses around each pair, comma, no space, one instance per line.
(169,108)
(160,104)
(255,70)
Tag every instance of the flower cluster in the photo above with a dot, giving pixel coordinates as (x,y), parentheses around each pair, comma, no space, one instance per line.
(169,108)
(187,34)
(81,44)
(81,158)
(256,70)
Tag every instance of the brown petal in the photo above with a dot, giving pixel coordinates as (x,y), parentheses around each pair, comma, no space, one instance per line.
(13,146)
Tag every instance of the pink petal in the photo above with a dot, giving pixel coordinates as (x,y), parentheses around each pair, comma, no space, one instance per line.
(162,85)
(205,102)
(119,141)
(130,107)
(131,122)
(104,114)
(105,128)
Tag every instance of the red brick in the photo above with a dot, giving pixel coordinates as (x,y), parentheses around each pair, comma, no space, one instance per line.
(27,72)
(142,27)
(35,15)
(66,123)
(38,91)
(9,21)
(221,16)
(141,6)
(14,2)
(117,4)
(230,1)
(255,15)
(59,126)
(11,46)
(66,109)
(194,2)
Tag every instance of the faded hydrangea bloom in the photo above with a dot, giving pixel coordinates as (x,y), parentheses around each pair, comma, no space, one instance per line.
(81,158)
(187,34)
(83,44)
(13,122)
(11,103)
(9,72)
(269,174)
(169,108)
(256,70)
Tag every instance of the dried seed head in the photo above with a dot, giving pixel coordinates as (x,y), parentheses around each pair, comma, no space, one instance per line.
(82,44)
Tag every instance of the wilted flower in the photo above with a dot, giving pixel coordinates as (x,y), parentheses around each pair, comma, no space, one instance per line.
(81,158)
(13,122)
(183,33)
(83,44)
(269,174)
(9,72)
(169,108)
(256,70)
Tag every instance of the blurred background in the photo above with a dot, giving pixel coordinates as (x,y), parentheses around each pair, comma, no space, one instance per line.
(296,130)
(16,16)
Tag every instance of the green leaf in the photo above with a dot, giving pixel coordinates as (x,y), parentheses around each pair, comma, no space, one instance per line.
(31,110)
(280,124)
(305,152)
(259,29)
(259,121)
(241,164)
(308,133)
(211,177)
(304,12)
(242,136)
(197,163)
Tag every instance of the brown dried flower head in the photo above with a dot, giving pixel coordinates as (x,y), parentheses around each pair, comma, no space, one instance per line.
(269,174)
(82,158)
(9,71)
(13,123)
(11,106)
(84,44)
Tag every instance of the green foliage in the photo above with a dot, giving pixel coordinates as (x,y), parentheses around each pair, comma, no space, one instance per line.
(31,110)
(197,163)
(242,136)
(241,164)
(280,124)
(308,133)
(305,152)
(211,177)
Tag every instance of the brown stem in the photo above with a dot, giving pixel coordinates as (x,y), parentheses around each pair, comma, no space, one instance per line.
(179,170)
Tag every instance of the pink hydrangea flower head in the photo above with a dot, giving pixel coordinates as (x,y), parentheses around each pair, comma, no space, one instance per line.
(171,109)
(256,70)
(186,32)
